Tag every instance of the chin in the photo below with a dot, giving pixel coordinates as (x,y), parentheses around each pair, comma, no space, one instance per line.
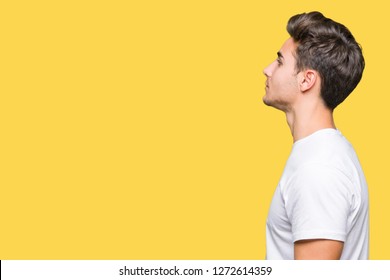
(267,101)
(276,105)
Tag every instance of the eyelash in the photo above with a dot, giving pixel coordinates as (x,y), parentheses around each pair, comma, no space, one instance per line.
(279,62)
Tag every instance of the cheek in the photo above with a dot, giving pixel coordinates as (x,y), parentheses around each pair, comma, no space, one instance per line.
(278,80)
(284,81)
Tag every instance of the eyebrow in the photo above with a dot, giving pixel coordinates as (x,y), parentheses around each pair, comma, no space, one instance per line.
(280,55)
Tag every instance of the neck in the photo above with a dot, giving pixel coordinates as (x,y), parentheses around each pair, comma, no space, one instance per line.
(306,121)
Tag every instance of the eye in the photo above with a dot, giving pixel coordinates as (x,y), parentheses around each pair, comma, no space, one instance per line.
(279,61)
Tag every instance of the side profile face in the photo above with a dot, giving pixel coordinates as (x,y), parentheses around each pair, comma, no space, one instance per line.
(282,88)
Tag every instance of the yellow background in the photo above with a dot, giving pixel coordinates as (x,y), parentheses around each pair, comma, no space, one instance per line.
(136,129)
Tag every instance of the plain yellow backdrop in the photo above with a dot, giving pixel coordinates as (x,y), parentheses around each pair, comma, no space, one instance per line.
(136,129)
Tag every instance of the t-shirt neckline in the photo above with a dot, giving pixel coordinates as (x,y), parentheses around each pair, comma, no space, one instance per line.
(320,131)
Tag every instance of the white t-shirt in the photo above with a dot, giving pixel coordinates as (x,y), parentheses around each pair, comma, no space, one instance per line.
(322,194)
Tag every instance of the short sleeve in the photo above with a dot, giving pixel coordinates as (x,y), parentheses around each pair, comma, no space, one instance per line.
(318,202)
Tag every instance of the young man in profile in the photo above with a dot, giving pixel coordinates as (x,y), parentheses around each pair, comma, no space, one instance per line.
(320,206)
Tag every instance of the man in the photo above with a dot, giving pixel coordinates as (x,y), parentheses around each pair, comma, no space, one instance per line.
(320,206)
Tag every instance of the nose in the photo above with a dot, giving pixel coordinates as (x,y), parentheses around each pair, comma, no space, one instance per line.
(267,71)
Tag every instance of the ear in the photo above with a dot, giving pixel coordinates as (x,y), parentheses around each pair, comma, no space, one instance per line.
(308,80)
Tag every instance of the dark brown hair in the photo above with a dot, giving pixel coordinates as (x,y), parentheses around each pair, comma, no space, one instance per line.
(329,48)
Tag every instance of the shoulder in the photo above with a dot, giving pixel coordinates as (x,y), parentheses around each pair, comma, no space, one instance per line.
(323,152)
(315,176)
(324,144)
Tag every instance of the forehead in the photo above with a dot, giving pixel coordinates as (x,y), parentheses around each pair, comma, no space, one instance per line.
(288,48)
